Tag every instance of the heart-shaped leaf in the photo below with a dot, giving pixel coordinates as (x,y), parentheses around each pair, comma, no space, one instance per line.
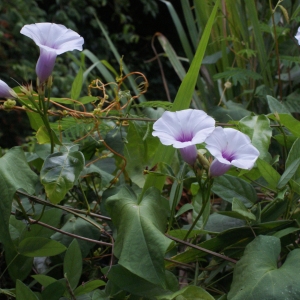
(257,276)
(140,244)
(59,173)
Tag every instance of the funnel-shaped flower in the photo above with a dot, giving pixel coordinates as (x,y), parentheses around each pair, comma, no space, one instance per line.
(53,39)
(6,91)
(230,147)
(184,129)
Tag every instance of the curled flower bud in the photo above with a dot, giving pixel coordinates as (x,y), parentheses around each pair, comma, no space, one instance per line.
(6,91)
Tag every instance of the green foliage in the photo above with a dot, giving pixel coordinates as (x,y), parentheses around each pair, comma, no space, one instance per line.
(94,207)
(257,275)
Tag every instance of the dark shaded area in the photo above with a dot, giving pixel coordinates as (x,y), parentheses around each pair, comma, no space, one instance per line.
(130,24)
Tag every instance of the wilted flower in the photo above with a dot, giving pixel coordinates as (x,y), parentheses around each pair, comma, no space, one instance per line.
(184,129)
(6,91)
(230,147)
(53,39)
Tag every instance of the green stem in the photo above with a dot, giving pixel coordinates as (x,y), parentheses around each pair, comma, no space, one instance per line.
(205,190)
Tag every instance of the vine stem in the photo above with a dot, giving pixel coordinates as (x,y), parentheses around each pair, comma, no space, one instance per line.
(202,249)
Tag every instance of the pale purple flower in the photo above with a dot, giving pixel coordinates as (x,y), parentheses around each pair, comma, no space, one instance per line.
(6,91)
(53,39)
(230,147)
(184,129)
(297,36)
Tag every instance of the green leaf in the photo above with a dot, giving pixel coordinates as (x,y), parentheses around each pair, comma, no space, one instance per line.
(88,287)
(73,264)
(79,227)
(44,280)
(276,106)
(23,292)
(239,207)
(293,155)
(197,206)
(228,187)
(59,173)
(77,85)
(14,174)
(288,173)
(139,150)
(259,130)
(39,246)
(35,120)
(19,266)
(189,293)
(42,136)
(226,239)
(54,291)
(140,244)
(268,173)
(289,122)
(256,275)
(136,285)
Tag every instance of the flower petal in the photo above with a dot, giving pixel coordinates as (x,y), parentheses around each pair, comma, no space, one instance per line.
(183,128)
(189,154)
(53,36)
(45,64)
(217,168)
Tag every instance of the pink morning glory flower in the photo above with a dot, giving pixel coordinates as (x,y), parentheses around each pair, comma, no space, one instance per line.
(53,39)
(6,91)
(230,147)
(184,129)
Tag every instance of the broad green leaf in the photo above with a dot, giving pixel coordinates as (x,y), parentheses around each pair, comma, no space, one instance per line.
(268,173)
(226,239)
(59,173)
(259,130)
(257,276)
(139,150)
(218,223)
(79,227)
(23,292)
(88,287)
(228,187)
(189,293)
(293,155)
(54,291)
(273,210)
(136,285)
(77,85)
(239,207)
(14,174)
(73,264)
(289,122)
(140,244)
(183,98)
(19,266)
(276,106)
(42,136)
(44,280)
(39,246)
(288,173)
(35,120)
